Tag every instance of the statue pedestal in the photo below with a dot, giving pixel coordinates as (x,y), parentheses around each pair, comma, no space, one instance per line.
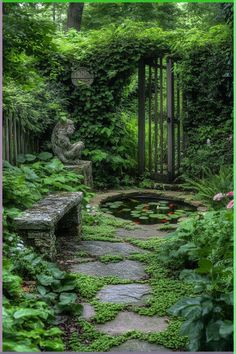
(84,168)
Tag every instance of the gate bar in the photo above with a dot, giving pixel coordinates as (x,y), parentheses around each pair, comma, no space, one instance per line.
(170,119)
(161,117)
(155,119)
(141,118)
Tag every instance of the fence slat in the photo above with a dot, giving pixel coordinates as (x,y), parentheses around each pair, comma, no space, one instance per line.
(4,140)
(7,140)
(16,140)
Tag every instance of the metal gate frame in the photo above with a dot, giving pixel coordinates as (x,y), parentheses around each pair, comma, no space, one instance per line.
(173,119)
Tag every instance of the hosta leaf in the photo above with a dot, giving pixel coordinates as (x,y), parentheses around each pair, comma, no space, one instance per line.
(45,156)
(67,298)
(42,290)
(226,329)
(27,313)
(45,279)
(212,331)
(192,328)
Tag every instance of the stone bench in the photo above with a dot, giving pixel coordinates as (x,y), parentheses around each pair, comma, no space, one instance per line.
(57,212)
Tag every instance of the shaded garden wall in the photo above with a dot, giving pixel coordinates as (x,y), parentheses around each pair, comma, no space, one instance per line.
(112,55)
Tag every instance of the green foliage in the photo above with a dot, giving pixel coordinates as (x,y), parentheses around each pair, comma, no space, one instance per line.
(98,15)
(39,94)
(211,184)
(106,311)
(206,75)
(165,292)
(27,319)
(207,236)
(26,184)
(102,227)
(204,245)
(110,258)
(205,322)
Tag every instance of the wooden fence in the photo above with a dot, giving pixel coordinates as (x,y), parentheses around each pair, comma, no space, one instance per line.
(16,140)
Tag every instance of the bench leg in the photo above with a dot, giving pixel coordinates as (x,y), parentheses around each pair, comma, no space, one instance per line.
(43,240)
(71,222)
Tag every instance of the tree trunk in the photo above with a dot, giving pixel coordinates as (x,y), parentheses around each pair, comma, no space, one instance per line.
(74,15)
(54,12)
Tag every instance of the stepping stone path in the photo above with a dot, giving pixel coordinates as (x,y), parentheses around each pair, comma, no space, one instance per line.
(125,294)
(135,345)
(101,248)
(129,321)
(135,293)
(132,270)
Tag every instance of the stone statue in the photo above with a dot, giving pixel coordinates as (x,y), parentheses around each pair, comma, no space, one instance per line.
(68,153)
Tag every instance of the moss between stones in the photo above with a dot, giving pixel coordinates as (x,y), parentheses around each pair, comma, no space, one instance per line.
(110,258)
(166,291)
(91,340)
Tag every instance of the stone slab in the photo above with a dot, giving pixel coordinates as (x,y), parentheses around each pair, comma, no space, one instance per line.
(132,270)
(47,212)
(100,248)
(135,345)
(137,294)
(84,168)
(88,311)
(128,321)
(141,233)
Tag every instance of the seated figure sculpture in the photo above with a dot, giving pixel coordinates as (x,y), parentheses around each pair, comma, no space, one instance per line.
(68,153)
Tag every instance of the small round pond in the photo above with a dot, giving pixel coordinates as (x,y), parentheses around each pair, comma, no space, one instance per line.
(147,209)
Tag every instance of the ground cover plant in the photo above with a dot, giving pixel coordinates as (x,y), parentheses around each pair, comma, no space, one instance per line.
(35,291)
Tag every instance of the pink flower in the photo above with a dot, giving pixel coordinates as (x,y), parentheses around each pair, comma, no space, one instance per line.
(230,205)
(230,194)
(218,197)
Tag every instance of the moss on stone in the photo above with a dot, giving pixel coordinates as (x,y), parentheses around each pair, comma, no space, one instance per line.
(166,290)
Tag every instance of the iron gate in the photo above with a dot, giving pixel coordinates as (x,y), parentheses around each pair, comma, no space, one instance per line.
(160,128)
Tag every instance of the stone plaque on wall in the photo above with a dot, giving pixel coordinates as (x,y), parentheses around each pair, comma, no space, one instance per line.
(81,75)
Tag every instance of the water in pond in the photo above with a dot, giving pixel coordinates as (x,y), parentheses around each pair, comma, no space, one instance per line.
(147,210)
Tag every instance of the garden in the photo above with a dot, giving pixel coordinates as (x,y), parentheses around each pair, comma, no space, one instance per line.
(118,196)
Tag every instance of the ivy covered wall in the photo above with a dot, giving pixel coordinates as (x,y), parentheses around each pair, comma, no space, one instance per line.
(112,55)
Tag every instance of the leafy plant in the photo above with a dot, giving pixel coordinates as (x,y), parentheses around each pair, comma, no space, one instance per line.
(208,322)
(27,320)
(211,184)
